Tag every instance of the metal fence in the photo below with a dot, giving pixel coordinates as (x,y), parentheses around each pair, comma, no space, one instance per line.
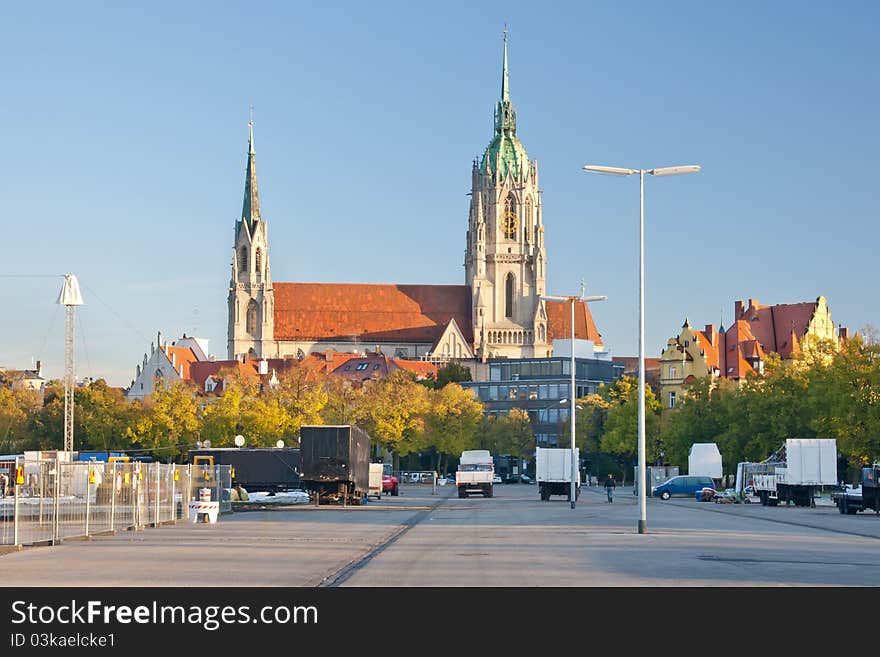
(51,500)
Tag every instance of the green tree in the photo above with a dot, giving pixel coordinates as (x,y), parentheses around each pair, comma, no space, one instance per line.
(392,412)
(452,372)
(451,421)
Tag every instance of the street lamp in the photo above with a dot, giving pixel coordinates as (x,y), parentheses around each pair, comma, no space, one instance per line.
(572,391)
(664,171)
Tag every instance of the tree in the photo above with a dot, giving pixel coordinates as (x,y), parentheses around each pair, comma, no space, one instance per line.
(452,372)
(16,408)
(392,412)
(451,421)
(169,421)
(515,434)
(621,426)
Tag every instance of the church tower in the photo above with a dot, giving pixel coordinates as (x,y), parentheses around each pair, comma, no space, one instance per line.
(251,297)
(505,262)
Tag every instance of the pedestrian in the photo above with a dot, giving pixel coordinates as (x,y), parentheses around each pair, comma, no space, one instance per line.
(609,487)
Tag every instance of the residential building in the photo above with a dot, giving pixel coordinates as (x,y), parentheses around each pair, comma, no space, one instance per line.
(23,379)
(741,350)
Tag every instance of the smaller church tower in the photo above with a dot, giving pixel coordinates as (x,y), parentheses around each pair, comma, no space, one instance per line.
(251,298)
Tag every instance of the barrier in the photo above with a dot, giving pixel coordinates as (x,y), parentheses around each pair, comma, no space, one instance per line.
(58,500)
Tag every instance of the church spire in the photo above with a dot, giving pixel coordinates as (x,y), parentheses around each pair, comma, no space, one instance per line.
(250,210)
(505,83)
(505,115)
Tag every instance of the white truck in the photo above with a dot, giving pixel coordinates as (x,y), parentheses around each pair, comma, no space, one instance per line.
(476,473)
(553,472)
(796,472)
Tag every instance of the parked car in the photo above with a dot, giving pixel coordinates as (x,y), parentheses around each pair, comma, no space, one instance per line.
(390,485)
(682,486)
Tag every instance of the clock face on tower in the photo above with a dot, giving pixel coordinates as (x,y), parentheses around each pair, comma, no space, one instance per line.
(509,226)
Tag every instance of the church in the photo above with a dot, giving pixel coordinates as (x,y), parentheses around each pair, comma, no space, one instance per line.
(496,313)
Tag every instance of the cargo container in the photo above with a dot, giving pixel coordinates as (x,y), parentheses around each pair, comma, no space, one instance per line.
(335,463)
(271,469)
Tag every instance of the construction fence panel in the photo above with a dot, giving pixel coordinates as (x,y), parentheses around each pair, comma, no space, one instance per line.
(56,500)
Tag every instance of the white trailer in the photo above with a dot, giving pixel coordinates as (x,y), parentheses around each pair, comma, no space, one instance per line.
(799,469)
(553,472)
(704,459)
(375,487)
(476,473)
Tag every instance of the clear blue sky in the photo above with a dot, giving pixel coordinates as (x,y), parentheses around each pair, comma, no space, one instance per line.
(126,131)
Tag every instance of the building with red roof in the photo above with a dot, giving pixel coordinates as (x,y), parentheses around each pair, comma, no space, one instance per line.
(740,351)
(498,311)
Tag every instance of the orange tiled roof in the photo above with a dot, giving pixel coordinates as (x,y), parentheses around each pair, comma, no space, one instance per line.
(559,322)
(182,356)
(369,312)
(422,369)
(710,352)
(773,326)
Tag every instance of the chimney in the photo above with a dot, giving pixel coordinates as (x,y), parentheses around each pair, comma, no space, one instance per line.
(753,303)
(710,333)
(738,310)
(39,368)
(842,333)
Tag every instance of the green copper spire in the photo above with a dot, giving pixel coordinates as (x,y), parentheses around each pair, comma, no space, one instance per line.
(505,153)
(250,210)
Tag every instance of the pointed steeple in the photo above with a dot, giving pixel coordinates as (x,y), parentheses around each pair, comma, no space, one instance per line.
(505,114)
(250,209)
(505,83)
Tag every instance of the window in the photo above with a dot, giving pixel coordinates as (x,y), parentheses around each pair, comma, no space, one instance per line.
(671,400)
(672,371)
(251,321)
(361,367)
(243,259)
(346,368)
(258,256)
(509,286)
(376,366)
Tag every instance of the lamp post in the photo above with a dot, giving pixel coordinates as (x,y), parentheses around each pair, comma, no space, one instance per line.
(664,171)
(572,390)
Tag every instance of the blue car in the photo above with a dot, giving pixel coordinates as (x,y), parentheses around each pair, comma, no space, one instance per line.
(682,486)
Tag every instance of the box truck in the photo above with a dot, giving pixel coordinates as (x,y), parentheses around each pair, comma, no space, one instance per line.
(476,473)
(797,471)
(553,472)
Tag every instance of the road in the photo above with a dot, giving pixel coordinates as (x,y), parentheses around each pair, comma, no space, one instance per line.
(512,539)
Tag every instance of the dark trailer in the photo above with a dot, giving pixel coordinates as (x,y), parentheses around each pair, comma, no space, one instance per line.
(335,463)
(269,469)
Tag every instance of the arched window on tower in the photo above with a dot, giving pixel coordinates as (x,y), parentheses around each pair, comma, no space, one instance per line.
(509,286)
(243,259)
(509,221)
(252,312)
(258,257)
(527,218)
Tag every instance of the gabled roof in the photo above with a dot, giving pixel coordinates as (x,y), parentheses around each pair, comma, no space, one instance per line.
(559,322)
(182,356)
(370,312)
(773,326)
